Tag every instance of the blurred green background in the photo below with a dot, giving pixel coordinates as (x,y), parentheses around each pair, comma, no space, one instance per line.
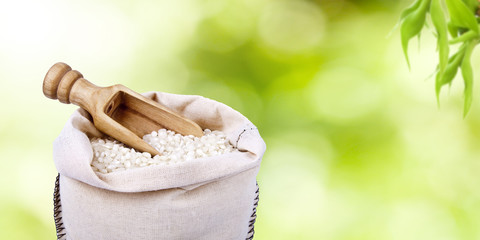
(357,148)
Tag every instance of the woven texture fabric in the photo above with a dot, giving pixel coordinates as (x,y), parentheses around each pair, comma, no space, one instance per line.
(210,198)
(61,233)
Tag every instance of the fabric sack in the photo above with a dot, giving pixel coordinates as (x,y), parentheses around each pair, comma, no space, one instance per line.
(207,198)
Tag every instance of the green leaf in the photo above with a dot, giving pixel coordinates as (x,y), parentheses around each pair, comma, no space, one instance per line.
(471,4)
(412,24)
(464,37)
(452,29)
(451,69)
(438,86)
(467,74)
(405,13)
(452,66)
(461,15)
(410,9)
(439,22)
(463,28)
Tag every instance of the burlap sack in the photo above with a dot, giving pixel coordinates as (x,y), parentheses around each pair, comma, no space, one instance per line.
(209,198)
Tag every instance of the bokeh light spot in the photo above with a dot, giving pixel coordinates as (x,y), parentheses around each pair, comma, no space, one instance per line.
(342,94)
(291,26)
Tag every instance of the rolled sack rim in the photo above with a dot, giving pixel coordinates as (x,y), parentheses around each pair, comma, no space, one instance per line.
(73,152)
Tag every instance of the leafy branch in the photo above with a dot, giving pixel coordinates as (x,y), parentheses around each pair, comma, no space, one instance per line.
(455,22)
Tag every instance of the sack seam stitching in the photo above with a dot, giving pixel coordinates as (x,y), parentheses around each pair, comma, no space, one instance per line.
(241,134)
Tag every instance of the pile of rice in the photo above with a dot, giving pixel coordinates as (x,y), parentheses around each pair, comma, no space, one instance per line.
(110,155)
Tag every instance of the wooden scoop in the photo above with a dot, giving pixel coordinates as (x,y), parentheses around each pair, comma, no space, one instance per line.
(116,110)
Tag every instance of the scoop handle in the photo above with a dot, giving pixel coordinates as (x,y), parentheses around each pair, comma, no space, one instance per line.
(69,86)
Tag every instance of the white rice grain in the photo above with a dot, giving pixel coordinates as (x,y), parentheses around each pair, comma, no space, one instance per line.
(110,155)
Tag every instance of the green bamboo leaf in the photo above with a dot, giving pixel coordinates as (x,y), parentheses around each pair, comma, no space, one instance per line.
(439,22)
(461,15)
(464,37)
(405,13)
(451,69)
(412,24)
(452,29)
(467,74)
(471,4)
(452,66)
(410,9)
(438,86)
